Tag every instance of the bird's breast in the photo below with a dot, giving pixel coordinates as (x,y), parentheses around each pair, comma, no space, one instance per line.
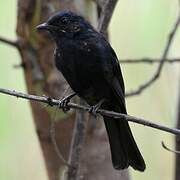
(83,72)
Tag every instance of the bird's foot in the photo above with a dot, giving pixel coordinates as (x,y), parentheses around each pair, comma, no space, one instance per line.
(63,104)
(93,109)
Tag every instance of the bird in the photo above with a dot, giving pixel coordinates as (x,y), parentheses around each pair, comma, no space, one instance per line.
(90,66)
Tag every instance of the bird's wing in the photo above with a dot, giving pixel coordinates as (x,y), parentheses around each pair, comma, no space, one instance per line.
(107,60)
(115,79)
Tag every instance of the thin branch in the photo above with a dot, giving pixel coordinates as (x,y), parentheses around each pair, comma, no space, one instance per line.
(55,102)
(162,61)
(9,42)
(53,139)
(168,149)
(106,15)
(149,61)
(77,144)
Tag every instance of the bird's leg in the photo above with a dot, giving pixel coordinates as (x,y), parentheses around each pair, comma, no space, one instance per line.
(93,109)
(64,102)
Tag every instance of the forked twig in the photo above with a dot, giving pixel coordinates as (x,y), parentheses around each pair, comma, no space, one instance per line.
(162,61)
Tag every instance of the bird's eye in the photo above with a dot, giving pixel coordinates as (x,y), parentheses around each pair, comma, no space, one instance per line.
(64,20)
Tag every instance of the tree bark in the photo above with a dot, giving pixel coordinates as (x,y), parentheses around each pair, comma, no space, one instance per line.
(36,50)
(42,78)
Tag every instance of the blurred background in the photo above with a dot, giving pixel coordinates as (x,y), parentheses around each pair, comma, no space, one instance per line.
(138,29)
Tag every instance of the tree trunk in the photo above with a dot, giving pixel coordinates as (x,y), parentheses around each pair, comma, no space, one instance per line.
(177,141)
(36,50)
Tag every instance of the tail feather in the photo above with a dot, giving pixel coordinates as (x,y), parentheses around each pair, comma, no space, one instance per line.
(124,150)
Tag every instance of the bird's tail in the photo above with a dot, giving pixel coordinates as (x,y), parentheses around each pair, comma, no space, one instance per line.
(124,151)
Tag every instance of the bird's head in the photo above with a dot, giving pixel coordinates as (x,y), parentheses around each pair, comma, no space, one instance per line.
(65,24)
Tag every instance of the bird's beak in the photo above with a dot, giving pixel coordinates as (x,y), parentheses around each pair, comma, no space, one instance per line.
(43,26)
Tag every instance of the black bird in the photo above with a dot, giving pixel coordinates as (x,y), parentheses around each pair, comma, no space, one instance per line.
(90,66)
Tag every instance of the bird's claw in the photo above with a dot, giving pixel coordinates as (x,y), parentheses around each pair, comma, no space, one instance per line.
(93,109)
(63,104)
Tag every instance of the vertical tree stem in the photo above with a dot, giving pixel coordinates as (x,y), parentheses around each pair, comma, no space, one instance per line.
(177,141)
(77,144)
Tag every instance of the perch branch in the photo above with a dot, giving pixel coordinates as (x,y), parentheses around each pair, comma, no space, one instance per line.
(54,102)
(162,61)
